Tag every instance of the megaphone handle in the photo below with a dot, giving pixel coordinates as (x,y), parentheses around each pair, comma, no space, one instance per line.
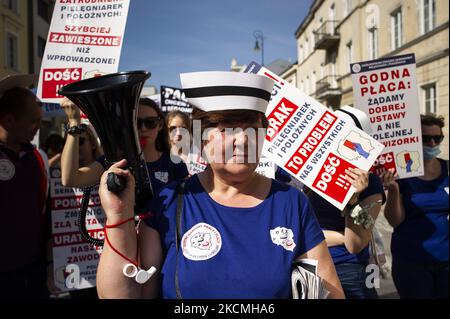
(115,183)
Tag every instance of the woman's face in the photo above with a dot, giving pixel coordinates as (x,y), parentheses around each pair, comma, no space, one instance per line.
(235,150)
(149,125)
(431,134)
(176,129)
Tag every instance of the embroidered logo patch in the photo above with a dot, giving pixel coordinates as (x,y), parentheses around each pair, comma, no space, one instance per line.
(162,176)
(201,242)
(282,236)
(7,170)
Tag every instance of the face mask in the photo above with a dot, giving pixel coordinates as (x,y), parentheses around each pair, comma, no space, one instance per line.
(430,152)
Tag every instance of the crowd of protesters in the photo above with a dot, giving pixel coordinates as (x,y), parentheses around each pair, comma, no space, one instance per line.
(238,202)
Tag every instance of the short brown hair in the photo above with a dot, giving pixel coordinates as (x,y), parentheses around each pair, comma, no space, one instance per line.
(214,118)
(182,115)
(14,101)
(430,119)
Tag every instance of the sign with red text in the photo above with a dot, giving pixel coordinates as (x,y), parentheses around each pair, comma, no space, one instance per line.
(84,41)
(386,90)
(74,259)
(311,143)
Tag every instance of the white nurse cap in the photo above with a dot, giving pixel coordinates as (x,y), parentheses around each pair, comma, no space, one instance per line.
(219,91)
(353,115)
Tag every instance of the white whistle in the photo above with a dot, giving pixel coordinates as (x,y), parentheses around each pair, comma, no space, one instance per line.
(130,270)
(143,276)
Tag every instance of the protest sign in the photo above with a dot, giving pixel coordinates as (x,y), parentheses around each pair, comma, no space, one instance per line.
(386,90)
(311,143)
(84,40)
(173,99)
(74,259)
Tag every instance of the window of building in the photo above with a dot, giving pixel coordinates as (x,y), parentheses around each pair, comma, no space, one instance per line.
(349,50)
(12,56)
(430,98)
(41,46)
(428,15)
(373,43)
(396,29)
(11,5)
(306,47)
(43,9)
(300,54)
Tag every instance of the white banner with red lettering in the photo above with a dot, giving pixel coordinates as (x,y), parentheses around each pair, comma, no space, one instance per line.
(85,40)
(74,259)
(386,90)
(311,143)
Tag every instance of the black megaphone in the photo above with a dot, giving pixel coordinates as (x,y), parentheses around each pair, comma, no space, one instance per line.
(110,103)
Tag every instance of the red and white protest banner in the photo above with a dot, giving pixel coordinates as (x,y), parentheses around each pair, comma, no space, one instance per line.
(84,40)
(74,259)
(311,143)
(386,90)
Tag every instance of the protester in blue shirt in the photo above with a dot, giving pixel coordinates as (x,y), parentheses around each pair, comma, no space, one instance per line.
(346,238)
(229,232)
(153,137)
(417,208)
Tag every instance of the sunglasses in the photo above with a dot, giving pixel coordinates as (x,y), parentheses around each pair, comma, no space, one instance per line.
(437,138)
(149,122)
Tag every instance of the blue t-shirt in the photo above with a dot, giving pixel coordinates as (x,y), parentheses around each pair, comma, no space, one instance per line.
(330,218)
(161,171)
(423,235)
(228,252)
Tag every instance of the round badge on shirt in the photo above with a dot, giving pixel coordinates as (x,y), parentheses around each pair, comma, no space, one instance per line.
(7,170)
(201,242)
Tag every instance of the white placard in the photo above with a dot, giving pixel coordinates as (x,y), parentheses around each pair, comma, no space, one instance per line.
(311,143)
(75,261)
(84,41)
(386,90)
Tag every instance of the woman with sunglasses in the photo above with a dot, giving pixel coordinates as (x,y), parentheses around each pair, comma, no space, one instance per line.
(417,208)
(153,138)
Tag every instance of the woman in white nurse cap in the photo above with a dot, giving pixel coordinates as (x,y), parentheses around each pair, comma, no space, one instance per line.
(227,232)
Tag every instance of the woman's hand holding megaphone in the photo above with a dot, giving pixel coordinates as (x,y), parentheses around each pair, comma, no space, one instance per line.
(118,206)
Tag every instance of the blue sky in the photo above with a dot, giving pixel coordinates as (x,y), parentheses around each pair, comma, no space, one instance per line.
(170,37)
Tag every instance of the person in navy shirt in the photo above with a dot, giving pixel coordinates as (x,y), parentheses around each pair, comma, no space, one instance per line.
(349,242)
(153,136)
(24,230)
(417,208)
(229,232)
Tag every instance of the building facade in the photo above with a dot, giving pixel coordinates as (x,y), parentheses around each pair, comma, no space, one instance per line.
(336,33)
(14,48)
(24,26)
(40,16)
